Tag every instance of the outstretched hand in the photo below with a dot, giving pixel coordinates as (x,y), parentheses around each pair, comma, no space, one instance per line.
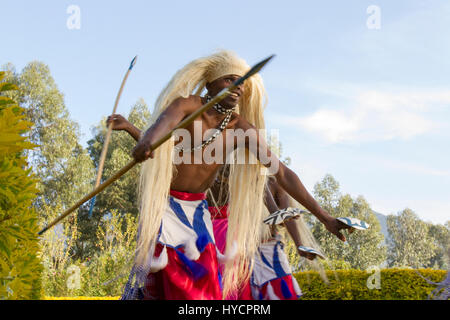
(334,226)
(118,122)
(307,255)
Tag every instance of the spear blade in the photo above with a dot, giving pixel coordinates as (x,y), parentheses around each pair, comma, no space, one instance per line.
(255,69)
(133,63)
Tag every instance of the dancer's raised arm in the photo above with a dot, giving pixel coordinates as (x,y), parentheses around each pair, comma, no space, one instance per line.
(121,123)
(169,118)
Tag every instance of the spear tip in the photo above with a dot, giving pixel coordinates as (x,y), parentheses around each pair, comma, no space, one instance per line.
(255,69)
(133,62)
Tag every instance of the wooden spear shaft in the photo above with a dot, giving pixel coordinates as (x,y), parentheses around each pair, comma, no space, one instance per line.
(108,134)
(183,124)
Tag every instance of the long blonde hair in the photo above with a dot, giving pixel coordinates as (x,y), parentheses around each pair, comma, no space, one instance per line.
(246,182)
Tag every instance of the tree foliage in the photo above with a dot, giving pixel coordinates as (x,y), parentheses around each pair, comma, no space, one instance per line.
(64,168)
(363,248)
(57,244)
(20,267)
(441,237)
(107,271)
(410,243)
(395,284)
(122,194)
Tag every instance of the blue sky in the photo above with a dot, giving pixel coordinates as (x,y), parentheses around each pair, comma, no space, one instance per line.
(369,106)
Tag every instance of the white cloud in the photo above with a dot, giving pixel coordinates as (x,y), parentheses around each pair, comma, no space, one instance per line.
(374,115)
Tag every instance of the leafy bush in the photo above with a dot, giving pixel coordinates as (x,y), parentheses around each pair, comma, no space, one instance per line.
(56,246)
(107,272)
(103,274)
(20,267)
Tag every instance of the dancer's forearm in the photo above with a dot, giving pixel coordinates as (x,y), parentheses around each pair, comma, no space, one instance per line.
(290,182)
(269,201)
(134,132)
(291,226)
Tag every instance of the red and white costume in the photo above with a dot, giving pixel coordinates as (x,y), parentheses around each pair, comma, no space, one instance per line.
(185,265)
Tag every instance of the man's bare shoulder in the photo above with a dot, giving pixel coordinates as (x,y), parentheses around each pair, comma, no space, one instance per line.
(189,104)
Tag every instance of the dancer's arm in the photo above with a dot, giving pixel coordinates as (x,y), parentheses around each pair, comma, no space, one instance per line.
(289,181)
(269,201)
(120,123)
(167,121)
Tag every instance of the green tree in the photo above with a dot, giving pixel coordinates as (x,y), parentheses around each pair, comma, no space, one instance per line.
(64,168)
(363,248)
(20,266)
(327,193)
(121,195)
(276,147)
(441,237)
(409,244)
(56,245)
(107,272)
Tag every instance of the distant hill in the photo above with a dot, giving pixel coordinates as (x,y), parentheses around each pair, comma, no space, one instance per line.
(383,223)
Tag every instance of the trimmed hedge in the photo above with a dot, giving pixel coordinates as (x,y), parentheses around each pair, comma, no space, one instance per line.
(82,298)
(395,284)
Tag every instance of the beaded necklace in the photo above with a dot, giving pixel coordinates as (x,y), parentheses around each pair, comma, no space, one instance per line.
(222,126)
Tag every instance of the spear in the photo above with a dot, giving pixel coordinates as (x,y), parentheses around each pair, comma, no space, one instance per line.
(183,124)
(108,134)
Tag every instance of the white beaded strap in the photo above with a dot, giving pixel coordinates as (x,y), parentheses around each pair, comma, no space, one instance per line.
(222,126)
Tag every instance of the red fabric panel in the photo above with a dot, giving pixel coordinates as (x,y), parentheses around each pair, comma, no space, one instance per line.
(175,283)
(220,226)
(187,196)
(276,285)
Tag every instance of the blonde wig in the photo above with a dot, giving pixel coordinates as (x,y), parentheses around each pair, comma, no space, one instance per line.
(246,183)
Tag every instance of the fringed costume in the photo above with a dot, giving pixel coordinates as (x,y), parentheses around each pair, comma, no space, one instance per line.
(220,225)
(185,265)
(272,278)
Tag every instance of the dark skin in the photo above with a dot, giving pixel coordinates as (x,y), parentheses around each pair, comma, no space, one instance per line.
(197,178)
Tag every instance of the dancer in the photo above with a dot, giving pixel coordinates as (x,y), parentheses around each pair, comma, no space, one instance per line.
(176,256)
